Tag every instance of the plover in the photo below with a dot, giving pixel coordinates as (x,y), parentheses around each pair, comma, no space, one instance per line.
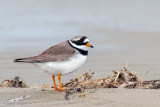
(61,59)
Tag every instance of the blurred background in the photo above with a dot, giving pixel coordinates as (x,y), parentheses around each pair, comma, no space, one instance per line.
(120,30)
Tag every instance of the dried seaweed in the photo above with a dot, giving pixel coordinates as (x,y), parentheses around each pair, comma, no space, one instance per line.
(123,78)
(120,79)
(16,82)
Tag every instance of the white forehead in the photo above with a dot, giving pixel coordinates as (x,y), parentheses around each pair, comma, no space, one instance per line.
(86,40)
(76,39)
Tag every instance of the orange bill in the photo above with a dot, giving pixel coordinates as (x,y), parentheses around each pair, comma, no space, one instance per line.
(89,45)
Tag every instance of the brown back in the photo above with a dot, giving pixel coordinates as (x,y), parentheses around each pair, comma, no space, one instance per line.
(57,53)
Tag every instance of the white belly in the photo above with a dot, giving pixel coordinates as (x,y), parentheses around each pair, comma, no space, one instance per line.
(65,67)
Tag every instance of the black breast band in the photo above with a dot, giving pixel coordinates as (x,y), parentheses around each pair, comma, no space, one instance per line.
(80,50)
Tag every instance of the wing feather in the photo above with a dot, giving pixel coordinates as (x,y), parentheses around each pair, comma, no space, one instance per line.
(57,53)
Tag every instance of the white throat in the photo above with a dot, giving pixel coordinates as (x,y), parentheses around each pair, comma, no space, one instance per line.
(82,47)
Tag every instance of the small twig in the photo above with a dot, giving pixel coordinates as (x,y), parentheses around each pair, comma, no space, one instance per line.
(19,99)
(117,76)
(152,81)
(126,64)
(76,78)
(15,82)
(84,94)
(144,75)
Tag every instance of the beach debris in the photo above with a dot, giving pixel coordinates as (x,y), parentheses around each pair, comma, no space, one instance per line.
(16,82)
(19,99)
(79,82)
(120,79)
(72,91)
(33,87)
(123,78)
(46,87)
(84,94)
(68,93)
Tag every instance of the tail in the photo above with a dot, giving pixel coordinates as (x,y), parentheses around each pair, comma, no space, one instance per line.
(21,60)
(27,60)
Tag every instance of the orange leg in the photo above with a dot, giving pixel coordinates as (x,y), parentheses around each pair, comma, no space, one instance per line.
(60,85)
(55,87)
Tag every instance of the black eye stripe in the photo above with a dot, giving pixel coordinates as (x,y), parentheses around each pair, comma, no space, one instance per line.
(80,42)
(83,38)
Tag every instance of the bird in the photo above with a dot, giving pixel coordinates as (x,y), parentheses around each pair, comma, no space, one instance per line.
(61,59)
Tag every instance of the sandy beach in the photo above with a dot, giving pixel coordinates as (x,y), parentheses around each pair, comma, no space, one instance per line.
(100,98)
(102,66)
(29,27)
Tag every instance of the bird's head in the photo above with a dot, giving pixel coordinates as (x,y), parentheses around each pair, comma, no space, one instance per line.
(80,42)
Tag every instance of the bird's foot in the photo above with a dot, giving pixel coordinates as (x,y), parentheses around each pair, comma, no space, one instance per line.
(64,90)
